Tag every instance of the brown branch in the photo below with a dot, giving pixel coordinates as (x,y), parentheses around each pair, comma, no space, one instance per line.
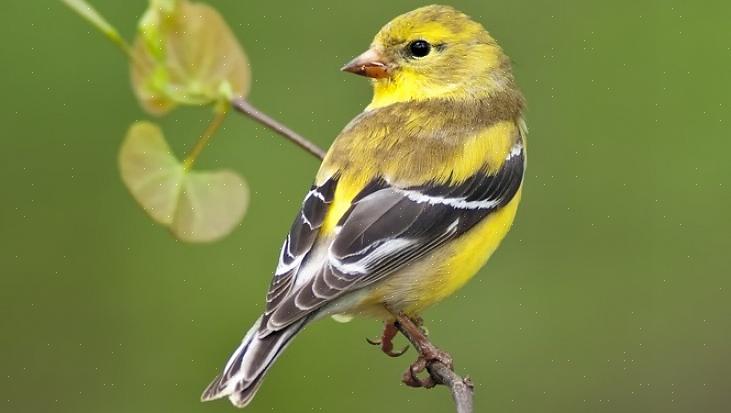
(243,106)
(437,363)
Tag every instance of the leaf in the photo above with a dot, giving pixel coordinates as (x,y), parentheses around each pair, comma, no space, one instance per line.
(151,172)
(185,53)
(196,206)
(211,205)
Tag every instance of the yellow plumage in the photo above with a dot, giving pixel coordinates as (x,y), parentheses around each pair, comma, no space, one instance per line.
(386,150)
(450,267)
(412,198)
(443,272)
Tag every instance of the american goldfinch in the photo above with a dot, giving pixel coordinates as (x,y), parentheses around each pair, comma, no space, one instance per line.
(411,199)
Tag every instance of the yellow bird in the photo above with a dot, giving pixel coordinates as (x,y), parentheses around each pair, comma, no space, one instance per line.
(411,199)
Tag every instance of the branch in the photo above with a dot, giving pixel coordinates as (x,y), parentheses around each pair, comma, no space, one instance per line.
(437,363)
(243,106)
(204,139)
(88,13)
(462,388)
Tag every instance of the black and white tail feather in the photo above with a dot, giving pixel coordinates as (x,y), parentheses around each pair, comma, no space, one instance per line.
(247,366)
(385,229)
(262,344)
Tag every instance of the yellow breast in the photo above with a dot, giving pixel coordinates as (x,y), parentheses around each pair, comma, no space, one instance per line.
(442,272)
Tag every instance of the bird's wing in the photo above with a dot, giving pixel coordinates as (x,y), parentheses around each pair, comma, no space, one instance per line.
(386,228)
(299,242)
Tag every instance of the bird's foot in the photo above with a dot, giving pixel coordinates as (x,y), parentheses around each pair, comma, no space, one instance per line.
(430,354)
(419,322)
(386,341)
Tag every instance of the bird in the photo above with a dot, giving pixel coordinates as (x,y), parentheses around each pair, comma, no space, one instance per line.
(411,199)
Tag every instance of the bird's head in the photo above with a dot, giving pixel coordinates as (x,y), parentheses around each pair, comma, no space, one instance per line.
(432,52)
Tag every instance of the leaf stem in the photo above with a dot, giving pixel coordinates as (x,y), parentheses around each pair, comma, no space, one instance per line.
(205,138)
(243,106)
(91,15)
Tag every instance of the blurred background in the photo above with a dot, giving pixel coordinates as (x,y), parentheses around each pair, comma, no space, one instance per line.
(611,294)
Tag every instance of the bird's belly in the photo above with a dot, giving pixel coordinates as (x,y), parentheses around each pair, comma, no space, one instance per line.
(440,274)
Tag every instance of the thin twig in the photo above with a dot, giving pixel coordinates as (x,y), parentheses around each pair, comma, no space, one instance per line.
(204,139)
(462,388)
(243,106)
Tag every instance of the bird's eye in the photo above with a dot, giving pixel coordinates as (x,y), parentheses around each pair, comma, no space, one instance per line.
(419,48)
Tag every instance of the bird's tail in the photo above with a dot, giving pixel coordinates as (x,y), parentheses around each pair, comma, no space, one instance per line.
(247,366)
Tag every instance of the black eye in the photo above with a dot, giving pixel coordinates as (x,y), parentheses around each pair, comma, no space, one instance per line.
(419,48)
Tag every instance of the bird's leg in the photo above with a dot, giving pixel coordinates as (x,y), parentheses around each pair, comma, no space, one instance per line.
(428,352)
(386,341)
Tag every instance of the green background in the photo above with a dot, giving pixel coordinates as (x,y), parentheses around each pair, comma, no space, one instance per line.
(611,294)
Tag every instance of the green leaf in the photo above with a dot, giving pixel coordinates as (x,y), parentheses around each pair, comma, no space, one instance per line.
(195,206)
(151,172)
(154,22)
(210,206)
(186,54)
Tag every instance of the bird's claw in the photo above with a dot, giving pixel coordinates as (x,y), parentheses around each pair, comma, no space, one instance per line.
(411,376)
(386,341)
(429,354)
(434,354)
(399,353)
(375,342)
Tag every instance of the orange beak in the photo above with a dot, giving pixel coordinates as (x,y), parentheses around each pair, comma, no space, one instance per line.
(369,64)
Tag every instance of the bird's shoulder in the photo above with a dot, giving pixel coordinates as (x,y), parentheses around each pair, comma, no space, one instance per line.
(431,140)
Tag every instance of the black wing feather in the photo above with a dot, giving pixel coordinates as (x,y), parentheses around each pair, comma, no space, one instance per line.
(301,238)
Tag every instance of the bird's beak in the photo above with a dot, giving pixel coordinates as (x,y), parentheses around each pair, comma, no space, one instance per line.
(370,64)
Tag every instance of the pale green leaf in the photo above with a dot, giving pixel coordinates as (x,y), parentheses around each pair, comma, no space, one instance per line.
(196,206)
(151,172)
(210,206)
(186,56)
